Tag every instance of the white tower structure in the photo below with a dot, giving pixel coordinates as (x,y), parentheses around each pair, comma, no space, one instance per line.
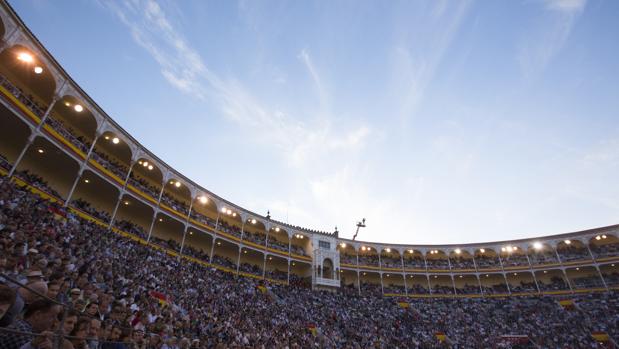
(326,262)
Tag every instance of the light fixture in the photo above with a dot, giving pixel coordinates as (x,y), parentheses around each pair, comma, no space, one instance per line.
(106,137)
(577,268)
(218,243)
(435,276)
(177,184)
(545,271)
(41,151)
(515,248)
(25,57)
(482,250)
(223,210)
(567,242)
(293,264)
(502,249)
(229,211)
(343,244)
(69,104)
(458,251)
(509,248)
(515,273)
(150,167)
(86,181)
(603,236)
(270,258)
(115,140)
(203,199)
(410,251)
(160,219)
(38,70)
(362,248)
(191,233)
(78,108)
(387,275)
(145,163)
(598,237)
(126,202)
(245,251)
(277,229)
(253,221)
(460,276)
(537,245)
(234,214)
(388,249)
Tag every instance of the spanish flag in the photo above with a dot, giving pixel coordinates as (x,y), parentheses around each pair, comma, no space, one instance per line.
(600,336)
(403,305)
(441,336)
(162,298)
(567,304)
(312,329)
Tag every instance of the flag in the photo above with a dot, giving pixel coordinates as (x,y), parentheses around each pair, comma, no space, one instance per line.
(312,328)
(600,336)
(441,336)
(567,304)
(162,298)
(403,305)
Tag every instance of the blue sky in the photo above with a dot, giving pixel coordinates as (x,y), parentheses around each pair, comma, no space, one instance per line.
(437,121)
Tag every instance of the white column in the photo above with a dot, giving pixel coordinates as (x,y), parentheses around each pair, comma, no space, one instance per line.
(186,227)
(33,135)
(120,196)
(81,171)
(152,223)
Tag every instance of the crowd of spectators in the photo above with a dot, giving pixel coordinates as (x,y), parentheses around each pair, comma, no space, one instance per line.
(26,98)
(68,133)
(123,294)
(85,206)
(110,164)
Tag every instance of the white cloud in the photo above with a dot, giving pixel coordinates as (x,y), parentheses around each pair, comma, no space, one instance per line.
(566,6)
(184,68)
(414,64)
(320,90)
(540,48)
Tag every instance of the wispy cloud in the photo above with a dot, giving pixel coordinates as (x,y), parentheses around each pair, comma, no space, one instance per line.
(566,6)
(539,49)
(184,68)
(415,62)
(320,90)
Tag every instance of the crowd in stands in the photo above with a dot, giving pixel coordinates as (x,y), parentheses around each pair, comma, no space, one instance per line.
(27,99)
(110,164)
(86,207)
(459,262)
(543,257)
(414,261)
(122,294)
(606,250)
(143,185)
(390,262)
(573,253)
(68,133)
(368,259)
(486,261)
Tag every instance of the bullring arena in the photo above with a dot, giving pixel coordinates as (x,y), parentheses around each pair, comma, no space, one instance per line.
(168,263)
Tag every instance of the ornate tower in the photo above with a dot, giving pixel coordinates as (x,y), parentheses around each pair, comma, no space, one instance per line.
(326,262)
